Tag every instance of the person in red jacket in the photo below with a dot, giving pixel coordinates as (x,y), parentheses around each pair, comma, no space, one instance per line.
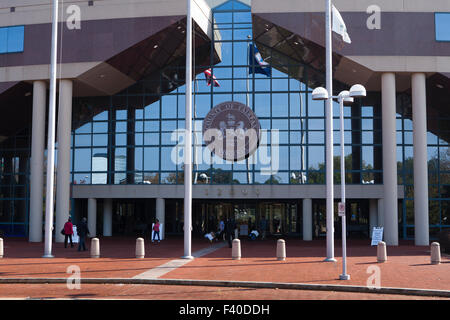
(156,231)
(68,232)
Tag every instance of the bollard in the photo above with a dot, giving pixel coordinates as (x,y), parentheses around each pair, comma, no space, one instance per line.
(95,248)
(435,253)
(1,248)
(140,249)
(281,250)
(381,252)
(236,251)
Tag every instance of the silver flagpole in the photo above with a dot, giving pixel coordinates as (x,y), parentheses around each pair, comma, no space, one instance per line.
(188,139)
(248,105)
(329,135)
(195,132)
(51,138)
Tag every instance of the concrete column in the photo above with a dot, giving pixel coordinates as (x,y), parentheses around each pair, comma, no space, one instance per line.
(380,211)
(388,101)
(373,215)
(107,217)
(63,166)
(37,162)
(161,214)
(419,115)
(92,217)
(307,220)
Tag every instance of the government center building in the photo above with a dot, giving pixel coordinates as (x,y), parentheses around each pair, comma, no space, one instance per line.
(121,112)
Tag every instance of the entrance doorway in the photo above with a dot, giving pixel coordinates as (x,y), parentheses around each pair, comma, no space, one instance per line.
(133,217)
(357,219)
(282,217)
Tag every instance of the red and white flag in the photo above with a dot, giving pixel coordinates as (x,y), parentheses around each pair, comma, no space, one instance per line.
(209,76)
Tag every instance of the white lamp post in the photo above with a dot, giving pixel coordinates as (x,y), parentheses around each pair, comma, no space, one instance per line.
(344,97)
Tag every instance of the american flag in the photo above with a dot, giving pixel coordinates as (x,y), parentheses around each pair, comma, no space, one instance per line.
(208,76)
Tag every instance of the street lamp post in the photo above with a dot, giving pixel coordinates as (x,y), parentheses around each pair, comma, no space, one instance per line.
(345,97)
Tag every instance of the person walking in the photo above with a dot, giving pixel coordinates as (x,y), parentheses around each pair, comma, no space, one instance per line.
(156,231)
(68,232)
(83,231)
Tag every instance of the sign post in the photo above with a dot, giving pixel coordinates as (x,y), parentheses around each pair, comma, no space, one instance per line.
(341,210)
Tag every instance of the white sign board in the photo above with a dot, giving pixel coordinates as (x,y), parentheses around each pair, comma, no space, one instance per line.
(377,235)
(75,237)
(341,209)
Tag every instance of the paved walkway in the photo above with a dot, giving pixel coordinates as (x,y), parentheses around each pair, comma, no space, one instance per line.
(407,266)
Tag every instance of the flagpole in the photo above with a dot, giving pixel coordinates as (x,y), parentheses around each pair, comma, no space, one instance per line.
(248,105)
(188,139)
(195,132)
(329,136)
(49,201)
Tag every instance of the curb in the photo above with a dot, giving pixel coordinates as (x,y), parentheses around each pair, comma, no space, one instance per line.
(242,284)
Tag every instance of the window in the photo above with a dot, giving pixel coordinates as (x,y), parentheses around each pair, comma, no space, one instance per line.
(442,23)
(11,39)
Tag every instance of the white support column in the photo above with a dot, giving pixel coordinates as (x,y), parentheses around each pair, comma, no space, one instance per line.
(92,217)
(419,115)
(107,217)
(63,167)
(373,215)
(388,96)
(37,162)
(307,220)
(161,214)
(380,218)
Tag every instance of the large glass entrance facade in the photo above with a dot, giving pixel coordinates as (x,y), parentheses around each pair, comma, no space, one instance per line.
(283,218)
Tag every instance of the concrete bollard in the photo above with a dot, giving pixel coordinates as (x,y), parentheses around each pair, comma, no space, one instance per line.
(1,248)
(381,252)
(236,250)
(95,248)
(140,249)
(281,250)
(435,253)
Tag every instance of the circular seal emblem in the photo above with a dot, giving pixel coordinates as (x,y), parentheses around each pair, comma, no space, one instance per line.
(231,130)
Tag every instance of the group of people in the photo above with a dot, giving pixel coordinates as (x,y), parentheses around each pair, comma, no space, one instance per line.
(227,231)
(82,232)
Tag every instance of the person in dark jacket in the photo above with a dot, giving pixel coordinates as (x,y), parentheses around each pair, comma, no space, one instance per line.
(68,232)
(83,231)
(229,230)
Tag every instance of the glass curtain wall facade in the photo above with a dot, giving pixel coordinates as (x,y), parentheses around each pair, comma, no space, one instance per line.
(14,184)
(438,169)
(106,150)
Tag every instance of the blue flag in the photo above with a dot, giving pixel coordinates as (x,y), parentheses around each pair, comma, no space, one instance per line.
(256,62)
